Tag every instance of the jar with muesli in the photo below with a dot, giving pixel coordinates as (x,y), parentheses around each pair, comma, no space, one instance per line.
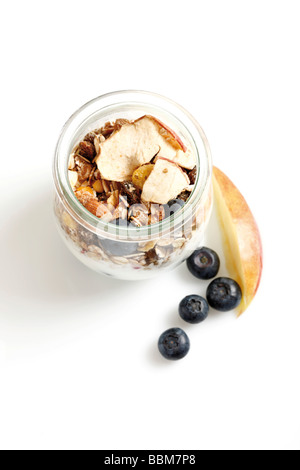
(132,173)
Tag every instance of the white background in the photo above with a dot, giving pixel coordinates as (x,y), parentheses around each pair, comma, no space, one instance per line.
(78,362)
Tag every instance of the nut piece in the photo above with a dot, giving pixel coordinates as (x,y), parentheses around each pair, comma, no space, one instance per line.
(90,137)
(87,150)
(166,181)
(91,203)
(140,175)
(84,169)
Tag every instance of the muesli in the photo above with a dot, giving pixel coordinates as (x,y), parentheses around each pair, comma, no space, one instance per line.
(125,164)
(131,174)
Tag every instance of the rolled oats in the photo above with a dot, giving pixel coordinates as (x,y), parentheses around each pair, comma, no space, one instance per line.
(161,252)
(93,255)
(71,162)
(144,247)
(68,221)
(120,260)
(164,242)
(95,249)
(179,242)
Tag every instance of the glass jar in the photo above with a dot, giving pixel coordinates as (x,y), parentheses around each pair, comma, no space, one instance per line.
(132,253)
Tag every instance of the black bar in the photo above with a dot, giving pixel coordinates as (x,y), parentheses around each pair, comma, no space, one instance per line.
(141,458)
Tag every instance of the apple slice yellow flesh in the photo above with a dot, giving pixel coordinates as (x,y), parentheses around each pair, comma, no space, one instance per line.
(242,242)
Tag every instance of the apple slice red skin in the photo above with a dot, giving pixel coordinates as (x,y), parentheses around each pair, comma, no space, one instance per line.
(244,223)
(173,134)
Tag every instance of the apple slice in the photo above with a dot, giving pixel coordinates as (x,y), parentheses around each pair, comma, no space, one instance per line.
(165,182)
(242,242)
(166,132)
(136,144)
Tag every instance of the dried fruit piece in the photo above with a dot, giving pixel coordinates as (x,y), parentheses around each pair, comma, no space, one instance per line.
(166,181)
(85,177)
(98,186)
(137,143)
(167,133)
(140,175)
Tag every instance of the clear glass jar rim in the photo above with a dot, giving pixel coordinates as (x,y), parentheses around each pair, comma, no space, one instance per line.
(96,225)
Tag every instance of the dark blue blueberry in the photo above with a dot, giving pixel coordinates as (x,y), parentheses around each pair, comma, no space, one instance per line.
(119,248)
(174,344)
(204,263)
(224,294)
(173,206)
(193,309)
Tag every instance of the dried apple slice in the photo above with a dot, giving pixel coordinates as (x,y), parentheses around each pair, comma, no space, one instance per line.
(165,131)
(136,144)
(242,242)
(165,182)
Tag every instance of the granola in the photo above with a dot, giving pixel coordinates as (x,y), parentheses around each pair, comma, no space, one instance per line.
(128,173)
(140,162)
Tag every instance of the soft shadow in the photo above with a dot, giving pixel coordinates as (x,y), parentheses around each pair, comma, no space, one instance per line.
(38,267)
(154,356)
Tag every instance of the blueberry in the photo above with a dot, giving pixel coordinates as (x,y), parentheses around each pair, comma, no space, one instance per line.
(174,344)
(119,248)
(193,309)
(204,263)
(224,294)
(173,206)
